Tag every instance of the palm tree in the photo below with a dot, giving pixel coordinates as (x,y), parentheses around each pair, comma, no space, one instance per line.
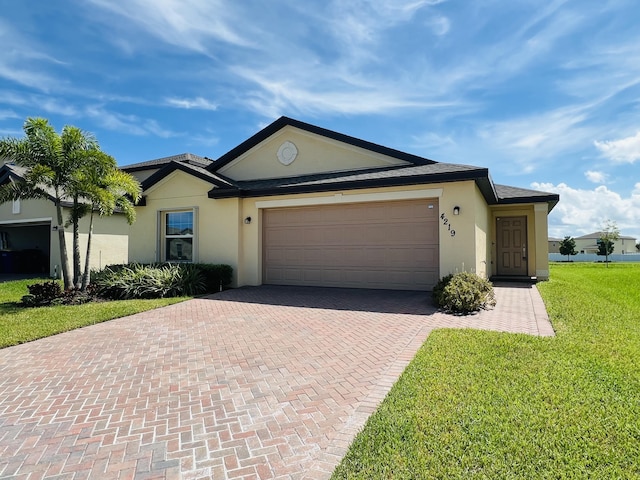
(69,167)
(50,160)
(107,189)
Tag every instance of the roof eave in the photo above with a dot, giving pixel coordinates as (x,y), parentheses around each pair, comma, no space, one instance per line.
(172,167)
(551,200)
(479,176)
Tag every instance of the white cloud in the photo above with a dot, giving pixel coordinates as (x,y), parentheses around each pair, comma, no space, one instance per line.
(439,25)
(583,211)
(532,141)
(130,124)
(624,150)
(595,176)
(21,59)
(8,114)
(186,23)
(189,103)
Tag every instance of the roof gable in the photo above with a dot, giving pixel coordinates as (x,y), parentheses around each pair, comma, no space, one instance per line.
(289,156)
(196,171)
(290,148)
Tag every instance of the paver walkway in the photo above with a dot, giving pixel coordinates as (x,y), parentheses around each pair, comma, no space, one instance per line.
(255,383)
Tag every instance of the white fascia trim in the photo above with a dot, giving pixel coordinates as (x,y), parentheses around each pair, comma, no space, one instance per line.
(539,207)
(351,198)
(31,220)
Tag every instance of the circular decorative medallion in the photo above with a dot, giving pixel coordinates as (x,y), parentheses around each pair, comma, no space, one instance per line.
(287,153)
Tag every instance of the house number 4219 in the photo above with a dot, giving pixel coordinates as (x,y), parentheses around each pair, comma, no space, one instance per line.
(445,222)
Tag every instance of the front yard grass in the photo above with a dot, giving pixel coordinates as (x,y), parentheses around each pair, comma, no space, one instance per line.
(19,324)
(476,404)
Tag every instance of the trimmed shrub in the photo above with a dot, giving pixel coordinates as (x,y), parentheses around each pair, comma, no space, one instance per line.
(463,293)
(137,281)
(160,280)
(217,276)
(51,293)
(42,294)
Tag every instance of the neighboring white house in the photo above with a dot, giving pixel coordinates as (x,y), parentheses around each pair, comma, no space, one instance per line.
(589,244)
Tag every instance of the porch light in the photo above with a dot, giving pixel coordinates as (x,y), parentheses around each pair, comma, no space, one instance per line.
(247,220)
(456,210)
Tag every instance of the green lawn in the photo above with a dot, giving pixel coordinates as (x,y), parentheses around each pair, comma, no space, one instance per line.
(489,405)
(19,325)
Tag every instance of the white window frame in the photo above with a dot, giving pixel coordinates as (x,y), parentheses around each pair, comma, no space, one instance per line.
(162,234)
(15,207)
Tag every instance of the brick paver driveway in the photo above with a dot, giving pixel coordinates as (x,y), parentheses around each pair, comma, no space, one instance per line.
(254,383)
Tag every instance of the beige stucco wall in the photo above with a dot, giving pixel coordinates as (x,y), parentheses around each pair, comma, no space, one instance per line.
(109,242)
(217,222)
(142,175)
(457,252)
(482,235)
(315,155)
(222,236)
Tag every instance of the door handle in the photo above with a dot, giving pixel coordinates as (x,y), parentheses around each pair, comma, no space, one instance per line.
(524,252)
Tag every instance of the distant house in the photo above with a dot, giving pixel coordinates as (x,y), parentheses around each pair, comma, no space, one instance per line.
(554,244)
(589,244)
(29,241)
(297,204)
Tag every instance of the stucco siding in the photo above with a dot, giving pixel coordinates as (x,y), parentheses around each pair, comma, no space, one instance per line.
(109,242)
(314,155)
(455,250)
(482,235)
(217,222)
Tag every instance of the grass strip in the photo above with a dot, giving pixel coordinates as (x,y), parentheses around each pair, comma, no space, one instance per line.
(20,325)
(475,404)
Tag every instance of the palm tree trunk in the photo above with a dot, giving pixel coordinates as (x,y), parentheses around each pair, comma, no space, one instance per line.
(64,257)
(85,277)
(77,263)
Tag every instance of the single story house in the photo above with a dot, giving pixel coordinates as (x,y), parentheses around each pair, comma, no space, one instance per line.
(29,242)
(297,204)
(589,243)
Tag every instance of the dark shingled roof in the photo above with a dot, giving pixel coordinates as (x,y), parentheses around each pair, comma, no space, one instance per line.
(375,177)
(187,158)
(416,171)
(195,170)
(11,172)
(509,195)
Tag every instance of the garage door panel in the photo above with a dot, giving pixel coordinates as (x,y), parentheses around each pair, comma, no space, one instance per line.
(391,245)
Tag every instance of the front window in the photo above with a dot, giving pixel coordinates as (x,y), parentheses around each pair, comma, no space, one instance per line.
(178,236)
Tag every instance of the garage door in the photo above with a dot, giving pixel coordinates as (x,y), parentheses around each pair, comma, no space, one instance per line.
(387,245)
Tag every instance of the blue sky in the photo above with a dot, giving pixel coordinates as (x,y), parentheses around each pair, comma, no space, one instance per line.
(546,94)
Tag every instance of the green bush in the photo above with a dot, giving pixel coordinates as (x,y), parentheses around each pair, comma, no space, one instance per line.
(160,280)
(463,293)
(42,294)
(51,293)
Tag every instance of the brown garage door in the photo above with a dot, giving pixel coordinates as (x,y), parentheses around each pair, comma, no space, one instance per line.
(389,245)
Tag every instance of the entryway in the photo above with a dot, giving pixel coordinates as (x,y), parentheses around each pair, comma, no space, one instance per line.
(511,246)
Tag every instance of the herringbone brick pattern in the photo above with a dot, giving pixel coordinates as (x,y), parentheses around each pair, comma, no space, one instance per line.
(254,383)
